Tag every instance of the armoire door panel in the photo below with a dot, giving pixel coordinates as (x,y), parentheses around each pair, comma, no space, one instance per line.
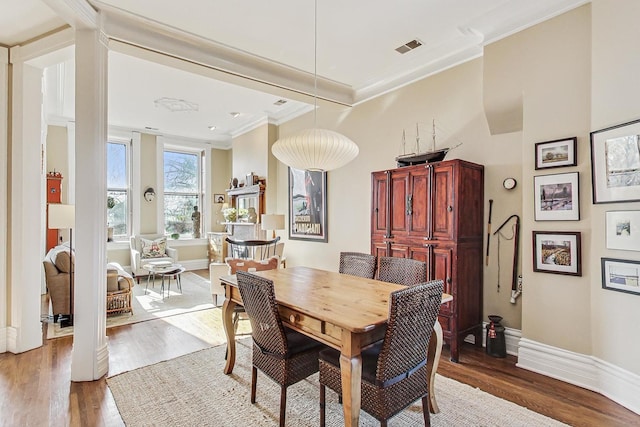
(399,250)
(399,195)
(419,202)
(442,262)
(379,202)
(443,200)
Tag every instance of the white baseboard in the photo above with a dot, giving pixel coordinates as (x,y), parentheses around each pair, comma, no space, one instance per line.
(102,358)
(3,340)
(11,339)
(589,372)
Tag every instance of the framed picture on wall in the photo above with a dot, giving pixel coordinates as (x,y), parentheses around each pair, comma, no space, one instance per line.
(621,275)
(556,197)
(623,230)
(557,153)
(307,205)
(218,198)
(615,163)
(557,252)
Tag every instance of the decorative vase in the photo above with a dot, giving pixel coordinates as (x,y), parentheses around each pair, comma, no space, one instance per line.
(252,216)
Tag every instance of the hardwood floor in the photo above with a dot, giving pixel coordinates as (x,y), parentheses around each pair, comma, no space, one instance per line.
(35,387)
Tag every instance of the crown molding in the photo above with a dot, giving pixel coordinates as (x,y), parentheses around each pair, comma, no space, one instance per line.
(234,65)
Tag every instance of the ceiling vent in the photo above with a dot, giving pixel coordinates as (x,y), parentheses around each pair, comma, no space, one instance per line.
(409,46)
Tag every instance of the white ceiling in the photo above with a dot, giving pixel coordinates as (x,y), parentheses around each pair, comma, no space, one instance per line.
(272,42)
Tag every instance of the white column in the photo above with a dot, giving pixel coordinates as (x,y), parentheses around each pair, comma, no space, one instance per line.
(4,201)
(25,230)
(90,357)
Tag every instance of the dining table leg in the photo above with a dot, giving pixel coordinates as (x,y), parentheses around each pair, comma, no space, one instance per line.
(229,331)
(351,377)
(433,359)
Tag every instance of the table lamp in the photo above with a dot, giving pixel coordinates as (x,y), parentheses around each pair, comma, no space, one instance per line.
(64,217)
(272,222)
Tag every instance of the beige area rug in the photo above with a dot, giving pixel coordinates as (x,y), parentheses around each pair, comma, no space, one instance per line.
(192,390)
(196,295)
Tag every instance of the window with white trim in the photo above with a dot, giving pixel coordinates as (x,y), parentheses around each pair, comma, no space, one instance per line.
(182,192)
(118,190)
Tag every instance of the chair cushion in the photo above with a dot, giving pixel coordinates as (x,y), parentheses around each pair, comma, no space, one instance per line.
(369,360)
(112,280)
(153,248)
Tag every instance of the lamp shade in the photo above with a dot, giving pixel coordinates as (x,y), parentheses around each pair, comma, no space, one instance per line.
(315,149)
(272,222)
(62,216)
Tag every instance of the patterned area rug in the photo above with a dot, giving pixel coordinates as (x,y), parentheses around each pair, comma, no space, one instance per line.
(193,390)
(196,295)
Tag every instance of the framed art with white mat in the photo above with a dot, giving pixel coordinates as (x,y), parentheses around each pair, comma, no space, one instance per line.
(623,230)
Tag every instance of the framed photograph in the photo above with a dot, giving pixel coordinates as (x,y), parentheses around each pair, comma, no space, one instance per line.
(615,163)
(557,252)
(623,230)
(218,198)
(557,153)
(556,197)
(621,275)
(307,205)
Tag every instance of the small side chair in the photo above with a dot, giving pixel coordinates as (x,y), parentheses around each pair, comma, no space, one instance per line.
(394,372)
(358,264)
(284,355)
(402,271)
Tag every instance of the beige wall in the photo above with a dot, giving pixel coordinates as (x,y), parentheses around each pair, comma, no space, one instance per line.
(149,178)
(219,182)
(614,94)
(548,69)
(57,157)
(250,153)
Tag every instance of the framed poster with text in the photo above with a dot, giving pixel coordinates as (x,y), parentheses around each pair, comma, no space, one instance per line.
(307,205)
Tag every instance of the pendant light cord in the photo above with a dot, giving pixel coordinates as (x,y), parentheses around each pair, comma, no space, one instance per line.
(315,65)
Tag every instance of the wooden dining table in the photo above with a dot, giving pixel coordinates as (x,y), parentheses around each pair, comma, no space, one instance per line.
(342,311)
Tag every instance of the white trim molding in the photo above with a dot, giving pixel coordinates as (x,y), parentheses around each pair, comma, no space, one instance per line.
(588,372)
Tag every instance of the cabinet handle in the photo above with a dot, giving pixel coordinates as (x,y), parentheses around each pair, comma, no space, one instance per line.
(449,280)
(294,318)
(410,204)
(450,209)
(428,245)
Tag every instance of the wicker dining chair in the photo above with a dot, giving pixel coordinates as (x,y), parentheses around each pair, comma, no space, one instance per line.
(403,271)
(358,264)
(394,372)
(284,355)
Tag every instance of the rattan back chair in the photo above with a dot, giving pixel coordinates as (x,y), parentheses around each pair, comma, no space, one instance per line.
(358,264)
(403,271)
(394,373)
(284,355)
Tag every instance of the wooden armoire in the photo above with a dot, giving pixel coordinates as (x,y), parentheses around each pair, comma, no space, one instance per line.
(434,213)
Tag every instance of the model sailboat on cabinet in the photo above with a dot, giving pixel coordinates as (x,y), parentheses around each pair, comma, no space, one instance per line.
(422,157)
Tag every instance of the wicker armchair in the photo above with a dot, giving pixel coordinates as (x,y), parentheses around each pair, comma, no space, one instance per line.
(358,264)
(394,373)
(284,355)
(403,271)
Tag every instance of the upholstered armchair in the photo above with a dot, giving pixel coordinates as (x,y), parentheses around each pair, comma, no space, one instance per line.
(146,248)
(57,266)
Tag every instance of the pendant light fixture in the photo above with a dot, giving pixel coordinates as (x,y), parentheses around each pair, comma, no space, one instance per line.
(315,149)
